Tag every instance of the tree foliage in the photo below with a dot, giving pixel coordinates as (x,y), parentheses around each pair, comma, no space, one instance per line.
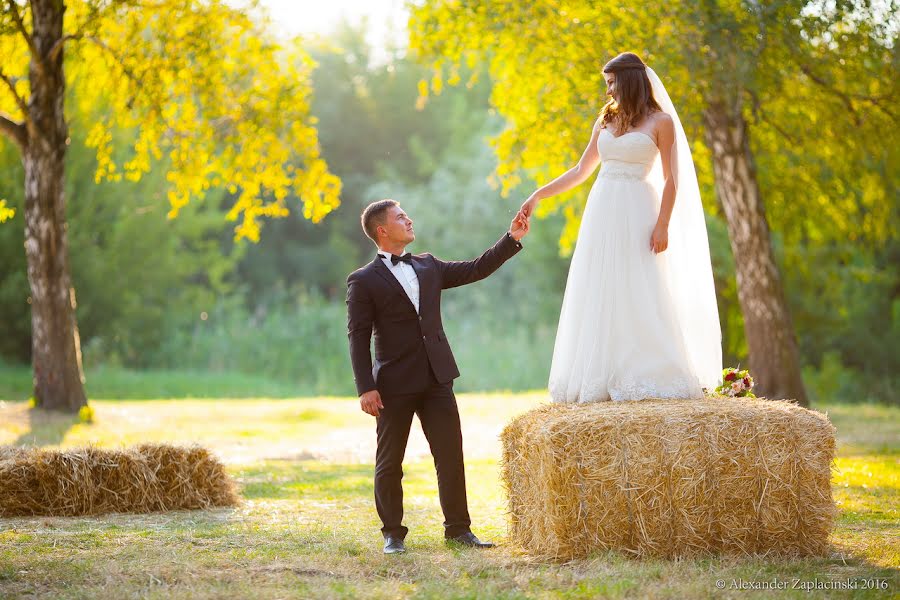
(204,88)
(816,80)
(370,130)
(139,275)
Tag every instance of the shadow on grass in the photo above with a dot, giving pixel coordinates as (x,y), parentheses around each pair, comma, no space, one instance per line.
(46,428)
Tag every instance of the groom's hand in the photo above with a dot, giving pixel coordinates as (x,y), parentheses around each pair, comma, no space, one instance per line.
(519,227)
(370,402)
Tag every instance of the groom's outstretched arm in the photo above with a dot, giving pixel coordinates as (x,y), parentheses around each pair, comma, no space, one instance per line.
(360,316)
(462,272)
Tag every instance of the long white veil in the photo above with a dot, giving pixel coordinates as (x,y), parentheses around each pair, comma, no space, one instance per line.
(690,268)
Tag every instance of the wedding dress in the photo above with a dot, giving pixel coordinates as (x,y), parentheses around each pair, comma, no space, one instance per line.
(635,324)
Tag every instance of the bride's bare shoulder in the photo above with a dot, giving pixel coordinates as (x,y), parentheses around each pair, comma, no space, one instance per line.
(659,116)
(661,121)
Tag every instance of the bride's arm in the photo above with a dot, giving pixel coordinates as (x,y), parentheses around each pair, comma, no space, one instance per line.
(665,136)
(589,160)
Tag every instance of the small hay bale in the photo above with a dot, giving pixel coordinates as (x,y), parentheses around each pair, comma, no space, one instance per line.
(670,478)
(91,481)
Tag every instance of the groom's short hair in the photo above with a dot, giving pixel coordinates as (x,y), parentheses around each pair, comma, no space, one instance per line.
(374,215)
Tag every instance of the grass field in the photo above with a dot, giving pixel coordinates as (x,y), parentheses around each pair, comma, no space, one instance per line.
(307,527)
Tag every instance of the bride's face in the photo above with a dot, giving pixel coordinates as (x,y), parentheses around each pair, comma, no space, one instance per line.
(610,84)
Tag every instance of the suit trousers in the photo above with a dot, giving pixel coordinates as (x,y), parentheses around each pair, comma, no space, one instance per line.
(438,413)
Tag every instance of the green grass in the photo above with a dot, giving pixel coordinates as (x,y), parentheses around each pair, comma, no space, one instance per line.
(105,383)
(307,527)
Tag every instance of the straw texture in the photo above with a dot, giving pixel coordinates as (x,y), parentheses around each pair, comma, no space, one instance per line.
(670,478)
(90,481)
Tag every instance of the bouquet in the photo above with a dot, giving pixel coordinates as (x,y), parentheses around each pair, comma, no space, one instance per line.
(736,384)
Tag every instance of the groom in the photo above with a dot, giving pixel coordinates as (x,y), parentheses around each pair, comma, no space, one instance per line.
(398,296)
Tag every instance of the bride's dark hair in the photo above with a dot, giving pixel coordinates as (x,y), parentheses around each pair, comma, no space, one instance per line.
(635,94)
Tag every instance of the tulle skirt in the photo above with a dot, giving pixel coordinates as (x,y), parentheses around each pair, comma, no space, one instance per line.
(618,336)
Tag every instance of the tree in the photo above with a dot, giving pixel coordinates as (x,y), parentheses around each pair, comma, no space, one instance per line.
(198,80)
(736,70)
(139,275)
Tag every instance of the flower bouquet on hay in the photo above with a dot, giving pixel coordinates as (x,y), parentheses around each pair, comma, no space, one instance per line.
(736,384)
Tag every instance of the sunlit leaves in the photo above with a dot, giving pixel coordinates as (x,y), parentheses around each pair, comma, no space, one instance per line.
(818,86)
(14,65)
(208,93)
(6,213)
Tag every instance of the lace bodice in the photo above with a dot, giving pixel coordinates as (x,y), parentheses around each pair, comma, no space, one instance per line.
(629,156)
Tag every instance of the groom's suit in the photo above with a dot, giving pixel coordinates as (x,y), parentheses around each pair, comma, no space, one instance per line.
(413,372)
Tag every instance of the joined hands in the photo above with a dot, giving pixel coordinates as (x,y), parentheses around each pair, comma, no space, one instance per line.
(519,227)
(522,220)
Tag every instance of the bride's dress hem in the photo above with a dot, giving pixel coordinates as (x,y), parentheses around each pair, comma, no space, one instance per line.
(685,388)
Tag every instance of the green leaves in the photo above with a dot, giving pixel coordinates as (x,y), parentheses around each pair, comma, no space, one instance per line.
(205,87)
(816,82)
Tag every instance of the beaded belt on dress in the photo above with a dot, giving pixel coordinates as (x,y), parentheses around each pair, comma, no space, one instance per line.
(631,172)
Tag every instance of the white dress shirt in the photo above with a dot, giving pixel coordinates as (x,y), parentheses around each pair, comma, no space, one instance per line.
(405,275)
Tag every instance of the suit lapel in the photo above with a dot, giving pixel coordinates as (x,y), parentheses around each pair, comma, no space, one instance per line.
(382,270)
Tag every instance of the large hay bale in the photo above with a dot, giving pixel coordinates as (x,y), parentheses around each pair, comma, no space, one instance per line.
(90,481)
(670,478)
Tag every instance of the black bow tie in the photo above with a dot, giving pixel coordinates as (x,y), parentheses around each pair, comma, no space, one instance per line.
(407,258)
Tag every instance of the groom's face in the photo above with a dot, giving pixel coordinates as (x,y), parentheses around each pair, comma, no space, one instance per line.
(398,227)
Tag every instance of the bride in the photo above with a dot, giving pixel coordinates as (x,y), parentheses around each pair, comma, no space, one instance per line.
(639,316)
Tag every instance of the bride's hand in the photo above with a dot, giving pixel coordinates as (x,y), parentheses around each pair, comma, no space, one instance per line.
(528,206)
(659,240)
(519,227)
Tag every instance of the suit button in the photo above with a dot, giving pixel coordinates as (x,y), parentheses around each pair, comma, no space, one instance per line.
(423,337)
(420,317)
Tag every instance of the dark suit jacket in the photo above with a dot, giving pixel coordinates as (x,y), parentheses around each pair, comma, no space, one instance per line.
(406,343)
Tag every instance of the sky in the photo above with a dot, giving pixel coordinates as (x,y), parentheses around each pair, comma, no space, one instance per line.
(386,18)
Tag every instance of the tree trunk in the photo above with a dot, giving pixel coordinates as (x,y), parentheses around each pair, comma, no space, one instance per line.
(55,348)
(774,357)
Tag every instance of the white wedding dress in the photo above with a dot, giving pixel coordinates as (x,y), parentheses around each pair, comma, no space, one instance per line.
(626,331)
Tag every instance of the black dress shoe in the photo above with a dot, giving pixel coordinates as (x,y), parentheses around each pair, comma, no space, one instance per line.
(469,539)
(394,545)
